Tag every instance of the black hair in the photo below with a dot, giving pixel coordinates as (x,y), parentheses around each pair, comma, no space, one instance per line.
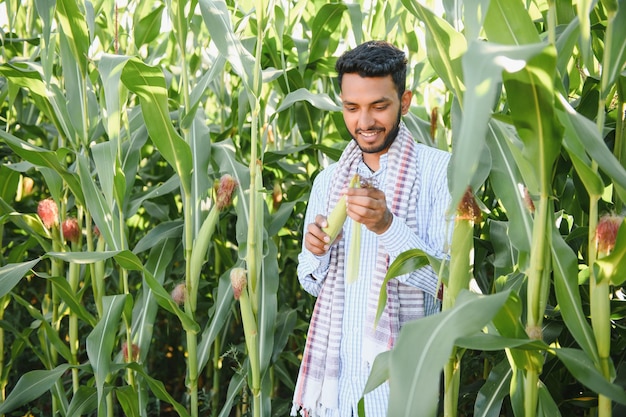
(374,59)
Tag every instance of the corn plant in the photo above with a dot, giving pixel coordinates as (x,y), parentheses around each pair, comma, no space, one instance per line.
(520,75)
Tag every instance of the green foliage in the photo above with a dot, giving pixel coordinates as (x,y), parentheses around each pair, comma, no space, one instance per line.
(126,115)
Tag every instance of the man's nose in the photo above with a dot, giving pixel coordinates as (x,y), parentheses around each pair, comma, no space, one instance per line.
(365,120)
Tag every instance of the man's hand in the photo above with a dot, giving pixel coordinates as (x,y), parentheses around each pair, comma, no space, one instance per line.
(369,207)
(315,239)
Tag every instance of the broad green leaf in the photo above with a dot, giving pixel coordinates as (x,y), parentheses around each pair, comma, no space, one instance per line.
(83,258)
(41,157)
(565,267)
(110,68)
(483,66)
(127,396)
(30,224)
(612,266)
(74,26)
(445,47)
(11,275)
(424,346)
(46,11)
(108,223)
(158,389)
(533,114)
(494,390)
(584,9)
(149,27)
(546,406)
(171,185)
(74,100)
(507,22)
(404,263)
(380,371)
(59,103)
(493,342)
(149,84)
(52,334)
(146,307)
(161,232)
(84,401)
(31,386)
(579,128)
(27,75)
(220,312)
(506,181)
(286,321)
(104,157)
(234,391)
(565,43)
(356,19)
(320,101)
(581,367)
(129,260)
(326,21)
(217,20)
(590,178)
(474,13)
(101,340)
(615,61)
(70,298)
(508,323)
(11,180)
(24,77)
(201,86)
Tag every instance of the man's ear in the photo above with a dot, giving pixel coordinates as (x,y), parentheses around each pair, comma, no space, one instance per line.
(405,101)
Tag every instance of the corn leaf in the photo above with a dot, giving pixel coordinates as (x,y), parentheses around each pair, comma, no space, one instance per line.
(149,84)
(12,274)
(424,346)
(495,389)
(565,267)
(41,157)
(101,340)
(74,26)
(578,363)
(31,386)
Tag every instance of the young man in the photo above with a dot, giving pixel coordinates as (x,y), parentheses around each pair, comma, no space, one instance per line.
(404,209)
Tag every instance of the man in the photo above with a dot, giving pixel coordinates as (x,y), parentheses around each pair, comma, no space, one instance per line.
(404,209)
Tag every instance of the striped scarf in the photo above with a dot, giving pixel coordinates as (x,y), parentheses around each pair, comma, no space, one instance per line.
(317,386)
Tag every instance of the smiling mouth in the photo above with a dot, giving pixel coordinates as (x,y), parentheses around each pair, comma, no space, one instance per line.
(369,133)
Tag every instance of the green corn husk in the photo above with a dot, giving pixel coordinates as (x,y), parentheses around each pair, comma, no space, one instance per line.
(336,219)
(354,252)
(338,215)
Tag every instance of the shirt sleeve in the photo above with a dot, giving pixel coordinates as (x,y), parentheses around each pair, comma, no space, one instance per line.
(434,227)
(312,269)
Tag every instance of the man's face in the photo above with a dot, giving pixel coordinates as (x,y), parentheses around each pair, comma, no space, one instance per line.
(372,110)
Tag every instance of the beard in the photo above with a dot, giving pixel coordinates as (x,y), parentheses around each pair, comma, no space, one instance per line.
(391,136)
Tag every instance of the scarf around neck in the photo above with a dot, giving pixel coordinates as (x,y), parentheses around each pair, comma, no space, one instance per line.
(317,386)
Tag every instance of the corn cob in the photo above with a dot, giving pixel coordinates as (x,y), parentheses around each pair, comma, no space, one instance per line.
(336,219)
(338,215)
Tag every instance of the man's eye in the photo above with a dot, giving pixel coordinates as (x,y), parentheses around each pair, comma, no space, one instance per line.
(380,108)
